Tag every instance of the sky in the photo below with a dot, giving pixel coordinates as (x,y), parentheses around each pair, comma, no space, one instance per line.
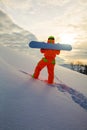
(64,19)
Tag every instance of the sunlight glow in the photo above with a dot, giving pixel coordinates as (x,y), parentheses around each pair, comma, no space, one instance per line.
(66,38)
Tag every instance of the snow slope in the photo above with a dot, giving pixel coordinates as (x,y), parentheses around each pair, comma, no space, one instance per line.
(27,104)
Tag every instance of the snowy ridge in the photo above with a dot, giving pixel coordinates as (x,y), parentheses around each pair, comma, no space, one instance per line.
(12,35)
(28,104)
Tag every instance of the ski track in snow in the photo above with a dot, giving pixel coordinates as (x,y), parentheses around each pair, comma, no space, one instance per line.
(76,96)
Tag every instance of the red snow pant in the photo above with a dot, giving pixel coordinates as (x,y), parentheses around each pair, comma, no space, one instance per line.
(50,69)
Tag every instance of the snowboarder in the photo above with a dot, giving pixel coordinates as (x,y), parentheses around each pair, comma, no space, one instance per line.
(48,60)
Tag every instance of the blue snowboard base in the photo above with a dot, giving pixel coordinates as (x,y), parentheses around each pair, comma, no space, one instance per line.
(58,46)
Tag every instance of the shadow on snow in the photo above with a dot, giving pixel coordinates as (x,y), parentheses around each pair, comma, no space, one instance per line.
(76,96)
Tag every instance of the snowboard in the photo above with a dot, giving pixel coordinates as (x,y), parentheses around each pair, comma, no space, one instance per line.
(44,45)
(45,81)
(60,84)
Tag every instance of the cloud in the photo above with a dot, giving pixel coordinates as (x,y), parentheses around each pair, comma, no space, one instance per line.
(17,4)
(61,15)
(75,55)
(52,2)
(83,2)
(31,5)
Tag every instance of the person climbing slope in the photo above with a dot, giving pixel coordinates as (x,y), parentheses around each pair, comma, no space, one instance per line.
(47,61)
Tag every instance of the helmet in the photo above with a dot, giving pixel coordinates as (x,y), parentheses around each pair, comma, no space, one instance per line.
(51,38)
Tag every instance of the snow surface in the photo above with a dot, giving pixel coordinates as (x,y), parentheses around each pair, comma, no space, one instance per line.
(28,104)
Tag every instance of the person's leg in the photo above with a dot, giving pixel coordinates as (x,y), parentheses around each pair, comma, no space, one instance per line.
(41,64)
(50,68)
